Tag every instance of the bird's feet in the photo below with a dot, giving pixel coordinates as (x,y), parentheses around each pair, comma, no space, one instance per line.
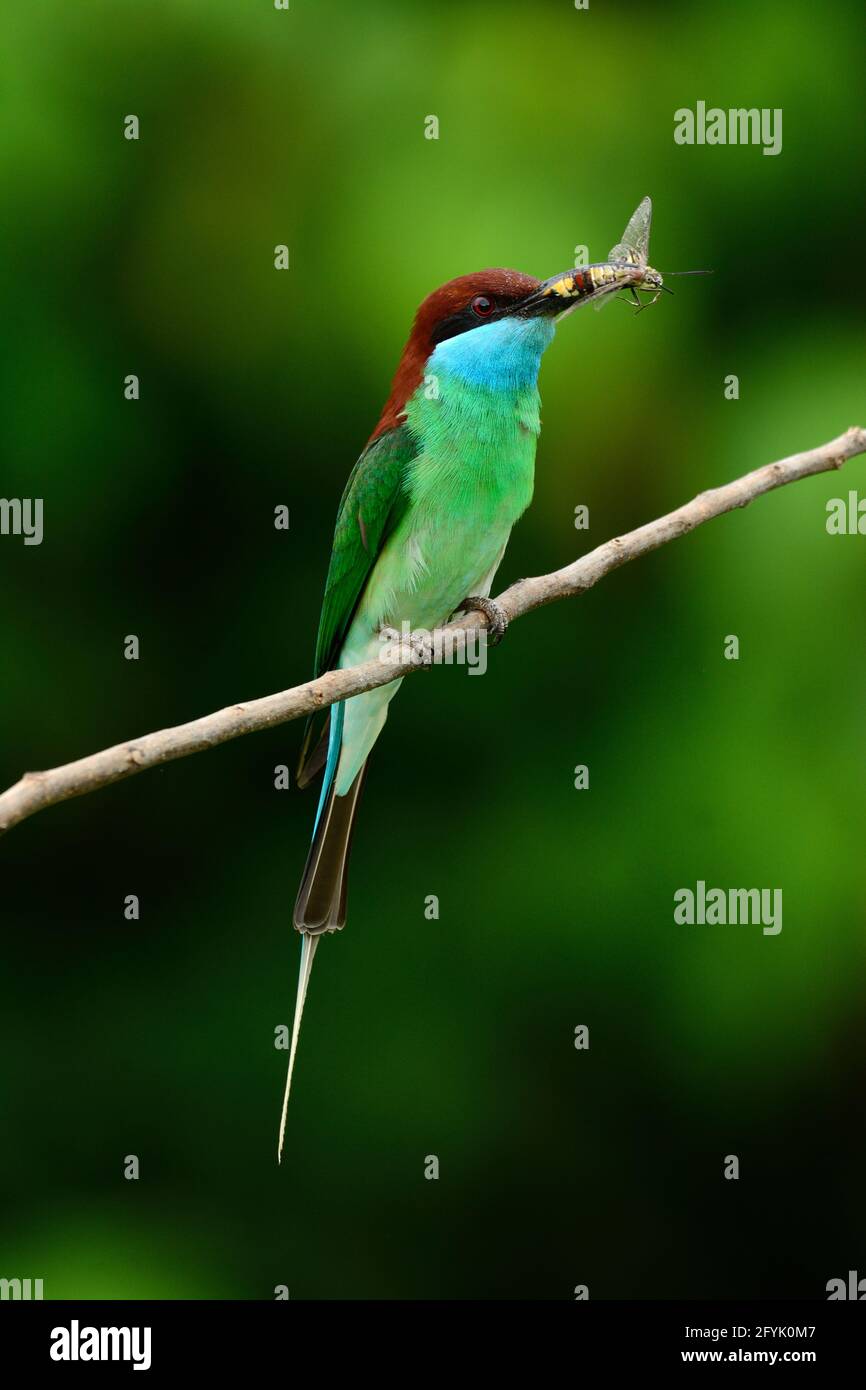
(497,623)
(408,648)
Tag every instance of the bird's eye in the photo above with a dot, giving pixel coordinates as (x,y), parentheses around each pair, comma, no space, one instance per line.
(481,306)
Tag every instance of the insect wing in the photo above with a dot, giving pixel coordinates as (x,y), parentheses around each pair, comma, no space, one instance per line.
(634,247)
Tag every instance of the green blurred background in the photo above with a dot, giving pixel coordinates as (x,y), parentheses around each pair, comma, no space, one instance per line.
(451,1037)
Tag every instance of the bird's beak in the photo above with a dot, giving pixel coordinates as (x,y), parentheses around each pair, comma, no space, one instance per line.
(562,293)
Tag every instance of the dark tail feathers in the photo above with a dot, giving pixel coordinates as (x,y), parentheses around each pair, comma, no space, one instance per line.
(321,902)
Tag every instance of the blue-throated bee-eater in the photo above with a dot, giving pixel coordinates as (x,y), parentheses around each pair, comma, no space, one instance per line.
(426,515)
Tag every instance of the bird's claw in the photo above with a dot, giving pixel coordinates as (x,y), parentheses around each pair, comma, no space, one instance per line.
(422,647)
(415,648)
(497,623)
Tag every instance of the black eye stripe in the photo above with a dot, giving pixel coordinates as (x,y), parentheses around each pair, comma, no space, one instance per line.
(466,319)
(450,327)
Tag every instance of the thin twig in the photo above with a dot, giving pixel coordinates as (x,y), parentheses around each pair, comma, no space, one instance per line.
(36,790)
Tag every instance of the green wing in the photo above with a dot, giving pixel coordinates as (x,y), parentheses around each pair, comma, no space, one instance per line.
(372,504)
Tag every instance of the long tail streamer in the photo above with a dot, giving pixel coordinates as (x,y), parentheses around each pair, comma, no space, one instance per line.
(308,952)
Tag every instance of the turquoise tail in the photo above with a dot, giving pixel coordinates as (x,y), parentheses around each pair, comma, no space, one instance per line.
(321,902)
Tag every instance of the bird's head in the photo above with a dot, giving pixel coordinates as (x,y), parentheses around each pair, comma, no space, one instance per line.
(489,326)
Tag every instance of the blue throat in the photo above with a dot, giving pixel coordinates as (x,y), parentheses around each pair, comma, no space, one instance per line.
(500,356)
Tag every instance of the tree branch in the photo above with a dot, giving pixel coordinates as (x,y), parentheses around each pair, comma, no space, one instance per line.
(36,790)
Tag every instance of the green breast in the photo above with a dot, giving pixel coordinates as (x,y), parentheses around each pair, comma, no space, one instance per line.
(470,480)
(476,459)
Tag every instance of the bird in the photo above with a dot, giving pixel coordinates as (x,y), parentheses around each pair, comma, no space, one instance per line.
(423,524)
